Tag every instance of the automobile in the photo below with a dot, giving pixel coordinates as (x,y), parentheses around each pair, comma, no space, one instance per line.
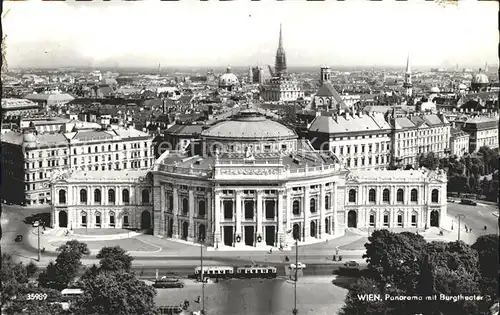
(162,284)
(351,265)
(19,238)
(468,202)
(451,200)
(299,265)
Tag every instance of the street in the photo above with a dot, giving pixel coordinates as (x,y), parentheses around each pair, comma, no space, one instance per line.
(475,218)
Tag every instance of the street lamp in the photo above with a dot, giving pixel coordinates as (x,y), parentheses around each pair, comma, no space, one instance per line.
(37,225)
(295,310)
(202,279)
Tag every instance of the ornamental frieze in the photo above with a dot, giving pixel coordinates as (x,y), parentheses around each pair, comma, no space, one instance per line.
(249,171)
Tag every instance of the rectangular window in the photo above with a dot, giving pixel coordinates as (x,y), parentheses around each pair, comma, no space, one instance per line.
(125,220)
(84,220)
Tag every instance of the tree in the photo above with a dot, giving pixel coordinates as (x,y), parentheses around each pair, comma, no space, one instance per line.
(429,161)
(394,257)
(114,292)
(114,259)
(487,249)
(60,274)
(354,302)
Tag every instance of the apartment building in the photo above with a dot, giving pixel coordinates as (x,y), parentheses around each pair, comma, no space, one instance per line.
(483,131)
(419,134)
(459,142)
(30,159)
(360,141)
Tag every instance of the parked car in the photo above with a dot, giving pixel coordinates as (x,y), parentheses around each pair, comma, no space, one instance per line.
(351,265)
(451,200)
(19,238)
(468,202)
(299,266)
(162,284)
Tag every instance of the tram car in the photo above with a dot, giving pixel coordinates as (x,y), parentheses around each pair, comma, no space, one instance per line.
(230,272)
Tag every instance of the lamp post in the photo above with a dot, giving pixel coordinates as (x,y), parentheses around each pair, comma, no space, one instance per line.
(202,279)
(37,225)
(295,310)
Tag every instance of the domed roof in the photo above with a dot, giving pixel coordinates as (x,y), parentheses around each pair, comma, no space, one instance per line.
(249,124)
(480,78)
(228,79)
(435,89)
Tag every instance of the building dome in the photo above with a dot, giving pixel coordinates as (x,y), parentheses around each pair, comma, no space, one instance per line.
(228,80)
(435,89)
(480,78)
(248,125)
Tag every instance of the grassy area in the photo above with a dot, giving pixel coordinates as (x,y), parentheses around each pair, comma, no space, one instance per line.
(130,244)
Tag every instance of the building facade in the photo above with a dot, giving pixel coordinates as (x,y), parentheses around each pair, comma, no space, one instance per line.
(30,159)
(483,131)
(359,141)
(14,107)
(419,134)
(94,199)
(459,142)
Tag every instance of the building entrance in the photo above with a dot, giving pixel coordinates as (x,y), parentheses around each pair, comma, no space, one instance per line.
(270,235)
(249,235)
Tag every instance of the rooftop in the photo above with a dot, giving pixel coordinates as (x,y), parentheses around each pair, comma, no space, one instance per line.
(123,175)
(340,124)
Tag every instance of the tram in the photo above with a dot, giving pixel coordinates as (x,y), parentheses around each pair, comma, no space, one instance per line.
(230,272)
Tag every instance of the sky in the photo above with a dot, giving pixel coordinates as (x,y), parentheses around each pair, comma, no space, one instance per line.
(244,33)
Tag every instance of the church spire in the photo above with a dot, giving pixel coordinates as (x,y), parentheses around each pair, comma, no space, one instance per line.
(407,84)
(280,63)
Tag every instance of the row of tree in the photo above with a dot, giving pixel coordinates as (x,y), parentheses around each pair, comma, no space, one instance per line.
(109,288)
(464,174)
(404,264)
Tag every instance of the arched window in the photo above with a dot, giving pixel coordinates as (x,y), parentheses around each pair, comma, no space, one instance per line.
(249,210)
(414,219)
(400,219)
(228,209)
(112,218)
(270,209)
(125,196)
(171,203)
(296,207)
(312,205)
(62,196)
(386,219)
(372,219)
(109,147)
(413,195)
(400,196)
(95,149)
(98,218)
(97,196)
(111,196)
(435,196)
(371,195)
(185,206)
(327,202)
(83,216)
(145,196)
(386,195)
(125,219)
(201,208)
(83,196)
(352,195)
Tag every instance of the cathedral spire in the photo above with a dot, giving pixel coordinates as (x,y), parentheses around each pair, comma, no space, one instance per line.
(408,67)
(280,63)
(407,84)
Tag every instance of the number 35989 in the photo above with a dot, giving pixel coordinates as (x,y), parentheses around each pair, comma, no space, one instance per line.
(36,296)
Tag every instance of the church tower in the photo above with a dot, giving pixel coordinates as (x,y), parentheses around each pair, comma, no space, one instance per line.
(326,74)
(407,84)
(280,64)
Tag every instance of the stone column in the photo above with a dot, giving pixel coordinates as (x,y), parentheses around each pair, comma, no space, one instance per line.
(322,209)
(191,228)
(216,214)
(260,207)
(306,210)
(335,223)
(289,204)
(280,213)
(175,211)
(209,219)
(239,233)
(162,220)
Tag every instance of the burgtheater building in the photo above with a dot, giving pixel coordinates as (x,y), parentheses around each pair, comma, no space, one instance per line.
(255,184)
(251,184)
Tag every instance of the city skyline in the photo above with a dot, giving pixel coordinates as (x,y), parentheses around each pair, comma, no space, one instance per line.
(245,34)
